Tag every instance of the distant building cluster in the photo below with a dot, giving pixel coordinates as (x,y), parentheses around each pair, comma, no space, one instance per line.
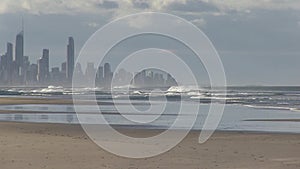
(16,70)
(103,76)
(153,78)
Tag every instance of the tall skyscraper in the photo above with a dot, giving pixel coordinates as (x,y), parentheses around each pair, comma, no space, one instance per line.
(70,58)
(43,67)
(64,68)
(46,58)
(107,70)
(99,75)
(107,74)
(9,55)
(32,74)
(19,51)
(7,62)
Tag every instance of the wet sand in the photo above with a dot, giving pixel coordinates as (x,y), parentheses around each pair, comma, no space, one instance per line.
(28,145)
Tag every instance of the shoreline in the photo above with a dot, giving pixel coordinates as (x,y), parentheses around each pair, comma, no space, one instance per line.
(54,101)
(157,129)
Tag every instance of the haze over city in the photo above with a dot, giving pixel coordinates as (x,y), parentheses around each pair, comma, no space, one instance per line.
(17,70)
(264,34)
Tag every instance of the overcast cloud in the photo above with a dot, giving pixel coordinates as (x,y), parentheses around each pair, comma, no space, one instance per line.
(258,41)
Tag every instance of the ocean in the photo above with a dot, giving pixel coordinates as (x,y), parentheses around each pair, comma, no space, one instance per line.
(257,109)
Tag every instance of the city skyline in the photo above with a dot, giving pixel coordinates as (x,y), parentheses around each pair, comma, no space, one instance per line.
(261,33)
(16,70)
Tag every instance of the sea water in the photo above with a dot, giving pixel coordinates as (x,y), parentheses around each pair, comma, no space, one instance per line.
(247,108)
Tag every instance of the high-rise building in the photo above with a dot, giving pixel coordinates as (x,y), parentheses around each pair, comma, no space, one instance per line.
(8,65)
(40,73)
(43,67)
(46,58)
(107,74)
(90,70)
(55,75)
(122,77)
(19,51)
(70,58)
(25,69)
(32,74)
(78,70)
(107,71)
(3,64)
(64,68)
(99,75)
(9,54)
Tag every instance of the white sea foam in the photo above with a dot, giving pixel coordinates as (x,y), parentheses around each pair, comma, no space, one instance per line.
(273,107)
(137,92)
(55,87)
(183,89)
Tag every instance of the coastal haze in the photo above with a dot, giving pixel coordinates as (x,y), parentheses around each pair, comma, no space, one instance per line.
(17,70)
(147,103)
(246,34)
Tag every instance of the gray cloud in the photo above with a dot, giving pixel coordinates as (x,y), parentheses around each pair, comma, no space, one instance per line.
(192,6)
(92,6)
(141,4)
(247,34)
(109,4)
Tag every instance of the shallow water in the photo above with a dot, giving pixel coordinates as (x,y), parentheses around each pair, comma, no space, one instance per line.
(242,104)
(233,118)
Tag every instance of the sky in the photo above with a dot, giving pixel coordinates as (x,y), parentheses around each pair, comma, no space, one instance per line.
(258,41)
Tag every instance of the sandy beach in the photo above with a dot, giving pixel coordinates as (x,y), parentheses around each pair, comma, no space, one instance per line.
(25,145)
(66,146)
